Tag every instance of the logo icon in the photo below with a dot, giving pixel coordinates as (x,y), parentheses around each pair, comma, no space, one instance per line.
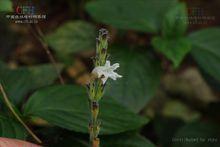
(25,10)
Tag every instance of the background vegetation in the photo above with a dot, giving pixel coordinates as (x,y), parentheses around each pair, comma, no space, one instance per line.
(169,58)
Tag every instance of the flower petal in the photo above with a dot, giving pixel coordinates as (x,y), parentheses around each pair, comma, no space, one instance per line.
(115,66)
(107,63)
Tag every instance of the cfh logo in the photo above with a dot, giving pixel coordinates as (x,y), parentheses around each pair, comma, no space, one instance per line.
(27,10)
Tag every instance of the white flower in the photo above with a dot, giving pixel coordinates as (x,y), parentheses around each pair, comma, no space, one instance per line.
(106,71)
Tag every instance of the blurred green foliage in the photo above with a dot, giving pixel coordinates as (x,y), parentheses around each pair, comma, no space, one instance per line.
(11,129)
(19,82)
(72,37)
(141,15)
(138,84)
(5,6)
(206,50)
(69,109)
(149,39)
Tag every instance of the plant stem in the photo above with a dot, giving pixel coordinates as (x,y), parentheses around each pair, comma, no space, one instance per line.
(40,36)
(94,125)
(10,107)
(96,88)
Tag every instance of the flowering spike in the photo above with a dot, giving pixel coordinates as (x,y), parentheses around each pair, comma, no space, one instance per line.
(102,71)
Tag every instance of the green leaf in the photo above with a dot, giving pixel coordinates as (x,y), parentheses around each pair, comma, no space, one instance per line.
(141,77)
(197,134)
(18,82)
(11,129)
(72,37)
(67,107)
(140,15)
(175,22)
(120,140)
(173,44)
(173,49)
(5,6)
(43,75)
(206,50)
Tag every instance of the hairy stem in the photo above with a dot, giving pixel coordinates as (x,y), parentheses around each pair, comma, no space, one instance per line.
(10,107)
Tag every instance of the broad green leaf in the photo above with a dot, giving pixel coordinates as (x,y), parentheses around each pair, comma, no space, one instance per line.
(175,21)
(67,107)
(11,129)
(206,50)
(174,49)
(141,77)
(43,75)
(173,44)
(140,15)
(5,6)
(72,37)
(197,134)
(121,140)
(18,82)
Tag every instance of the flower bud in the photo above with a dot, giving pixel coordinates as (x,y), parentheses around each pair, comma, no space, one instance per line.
(103,33)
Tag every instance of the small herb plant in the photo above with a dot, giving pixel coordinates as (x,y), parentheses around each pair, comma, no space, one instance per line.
(170,68)
(102,71)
